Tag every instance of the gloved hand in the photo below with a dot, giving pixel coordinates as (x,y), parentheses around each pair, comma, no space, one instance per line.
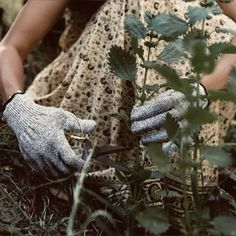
(149,119)
(41,138)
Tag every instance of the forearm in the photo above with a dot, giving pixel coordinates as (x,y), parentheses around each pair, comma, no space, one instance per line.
(34,20)
(219,77)
(11,72)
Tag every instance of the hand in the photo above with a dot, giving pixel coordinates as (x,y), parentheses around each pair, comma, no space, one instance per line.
(41,138)
(149,119)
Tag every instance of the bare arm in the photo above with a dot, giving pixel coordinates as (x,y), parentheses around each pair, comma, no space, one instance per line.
(218,79)
(32,23)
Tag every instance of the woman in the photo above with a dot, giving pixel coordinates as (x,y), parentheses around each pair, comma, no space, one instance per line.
(79,81)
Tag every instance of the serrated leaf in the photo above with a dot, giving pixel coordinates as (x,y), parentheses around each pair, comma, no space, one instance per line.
(196,14)
(172,52)
(225,1)
(216,156)
(135,27)
(215,10)
(147,17)
(122,115)
(168,25)
(151,88)
(156,153)
(226,31)
(231,86)
(198,116)
(217,48)
(170,74)
(171,126)
(221,95)
(153,220)
(201,61)
(137,49)
(225,224)
(194,36)
(122,63)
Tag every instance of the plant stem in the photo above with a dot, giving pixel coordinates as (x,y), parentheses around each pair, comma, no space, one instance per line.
(203,28)
(143,96)
(76,194)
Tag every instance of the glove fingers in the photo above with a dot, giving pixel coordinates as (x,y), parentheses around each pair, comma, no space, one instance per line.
(162,103)
(159,136)
(73,123)
(69,158)
(155,122)
(44,165)
(37,166)
(50,169)
(59,166)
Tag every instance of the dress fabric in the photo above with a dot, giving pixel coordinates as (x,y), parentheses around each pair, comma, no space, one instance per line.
(79,80)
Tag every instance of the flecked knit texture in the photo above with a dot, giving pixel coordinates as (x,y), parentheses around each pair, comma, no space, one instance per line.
(41,138)
(149,120)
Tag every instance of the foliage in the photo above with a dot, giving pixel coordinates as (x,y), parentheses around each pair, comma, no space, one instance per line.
(34,210)
(183,39)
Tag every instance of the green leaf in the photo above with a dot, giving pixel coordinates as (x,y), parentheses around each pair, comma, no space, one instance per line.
(151,88)
(190,39)
(148,17)
(217,48)
(171,126)
(225,224)
(122,64)
(215,10)
(122,115)
(135,27)
(137,49)
(172,52)
(155,151)
(154,220)
(232,82)
(170,74)
(196,14)
(201,61)
(216,156)
(225,30)
(198,116)
(226,1)
(221,95)
(168,25)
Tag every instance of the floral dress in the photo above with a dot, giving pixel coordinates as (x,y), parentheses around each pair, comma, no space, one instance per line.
(79,80)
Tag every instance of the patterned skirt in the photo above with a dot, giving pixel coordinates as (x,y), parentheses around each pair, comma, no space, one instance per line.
(79,80)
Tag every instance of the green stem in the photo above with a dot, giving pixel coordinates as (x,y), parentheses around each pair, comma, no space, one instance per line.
(143,96)
(203,28)
(187,219)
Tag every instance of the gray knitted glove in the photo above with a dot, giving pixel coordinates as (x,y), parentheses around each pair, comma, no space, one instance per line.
(41,138)
(149,120)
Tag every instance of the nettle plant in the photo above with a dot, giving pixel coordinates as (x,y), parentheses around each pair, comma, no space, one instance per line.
(184,39)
